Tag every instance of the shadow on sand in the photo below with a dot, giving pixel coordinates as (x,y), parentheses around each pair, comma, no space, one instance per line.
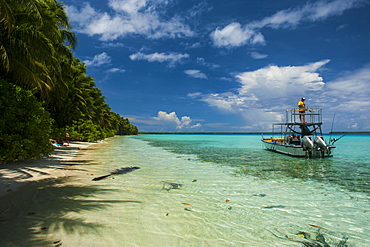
(35,215)
(42,212)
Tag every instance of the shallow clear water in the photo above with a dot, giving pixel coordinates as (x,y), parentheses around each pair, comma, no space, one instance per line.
(208,190)
(350,166)
(233,192)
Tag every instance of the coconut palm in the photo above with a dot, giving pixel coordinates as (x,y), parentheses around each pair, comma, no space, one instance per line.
(33,38)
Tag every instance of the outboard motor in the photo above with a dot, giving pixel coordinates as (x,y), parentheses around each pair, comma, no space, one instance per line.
(307,143)
(320,142)
(321,145)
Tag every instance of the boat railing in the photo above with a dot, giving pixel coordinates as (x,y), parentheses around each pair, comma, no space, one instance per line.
(311,115)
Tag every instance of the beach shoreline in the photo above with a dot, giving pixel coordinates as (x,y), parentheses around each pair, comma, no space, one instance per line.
(181,199)
(38,197)
(16,175)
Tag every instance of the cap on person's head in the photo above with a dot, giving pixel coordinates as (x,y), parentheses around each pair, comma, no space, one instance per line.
(303,99)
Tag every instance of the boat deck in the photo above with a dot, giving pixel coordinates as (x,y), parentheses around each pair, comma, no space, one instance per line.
(297,138)
(313,116)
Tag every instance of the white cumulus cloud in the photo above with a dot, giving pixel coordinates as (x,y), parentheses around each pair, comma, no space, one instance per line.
(128,17)
(350,92)
(348,97)
(171,118)
(265,93)
(276,82)
(236,34)
(98,60)
(128,6)
(171,57)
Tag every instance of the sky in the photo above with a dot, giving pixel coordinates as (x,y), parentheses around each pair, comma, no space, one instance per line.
(227,66)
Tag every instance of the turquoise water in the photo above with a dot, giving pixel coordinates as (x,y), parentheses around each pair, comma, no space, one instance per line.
(200,190)
(232,192)
(349,168)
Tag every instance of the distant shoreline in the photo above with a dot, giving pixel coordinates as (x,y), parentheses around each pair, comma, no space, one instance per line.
(243,133)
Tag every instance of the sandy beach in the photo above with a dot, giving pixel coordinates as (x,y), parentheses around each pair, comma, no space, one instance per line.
(22,181)
(15,175)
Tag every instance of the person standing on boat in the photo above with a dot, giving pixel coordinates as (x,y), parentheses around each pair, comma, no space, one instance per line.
(301,110)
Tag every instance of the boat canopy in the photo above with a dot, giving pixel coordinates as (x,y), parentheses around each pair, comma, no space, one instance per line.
(312,124)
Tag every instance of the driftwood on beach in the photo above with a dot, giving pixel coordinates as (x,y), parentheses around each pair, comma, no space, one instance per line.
(123,170)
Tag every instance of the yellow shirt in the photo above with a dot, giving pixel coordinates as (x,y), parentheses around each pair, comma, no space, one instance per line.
(301,106)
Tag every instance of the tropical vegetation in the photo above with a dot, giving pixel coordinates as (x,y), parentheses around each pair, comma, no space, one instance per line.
(45,91)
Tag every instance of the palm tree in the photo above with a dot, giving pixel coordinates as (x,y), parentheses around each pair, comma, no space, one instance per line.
(33,38)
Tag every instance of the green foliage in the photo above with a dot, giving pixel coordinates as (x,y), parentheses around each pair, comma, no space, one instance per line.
(126,128)
(33,34)
(81,110)
(86,130)
(34,56)
(24,125)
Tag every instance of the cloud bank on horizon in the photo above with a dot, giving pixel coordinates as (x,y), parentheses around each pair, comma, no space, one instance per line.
(188,47)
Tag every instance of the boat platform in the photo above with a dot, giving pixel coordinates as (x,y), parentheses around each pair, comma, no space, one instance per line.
(300,135)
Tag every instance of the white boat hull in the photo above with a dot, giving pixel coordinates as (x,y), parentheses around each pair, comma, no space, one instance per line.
(298,138)
(297,150)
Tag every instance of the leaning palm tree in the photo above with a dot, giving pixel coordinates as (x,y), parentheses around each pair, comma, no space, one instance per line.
(33,38)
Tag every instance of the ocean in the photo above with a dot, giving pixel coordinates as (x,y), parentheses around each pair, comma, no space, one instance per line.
(211,190)
(226,190)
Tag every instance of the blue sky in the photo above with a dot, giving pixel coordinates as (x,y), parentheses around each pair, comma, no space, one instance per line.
(237,65)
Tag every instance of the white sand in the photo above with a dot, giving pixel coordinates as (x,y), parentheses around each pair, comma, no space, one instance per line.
(20,183)
(14,175)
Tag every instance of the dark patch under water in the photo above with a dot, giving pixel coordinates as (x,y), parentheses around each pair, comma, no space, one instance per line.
(351,173)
